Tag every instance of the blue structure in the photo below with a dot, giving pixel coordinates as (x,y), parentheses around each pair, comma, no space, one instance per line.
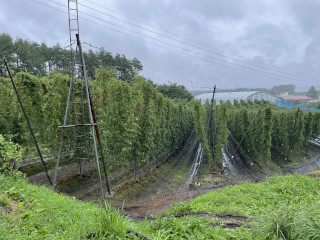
(249,95)
(288,105)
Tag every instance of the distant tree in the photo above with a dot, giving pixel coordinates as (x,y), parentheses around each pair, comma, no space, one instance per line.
(175,91)
(92,63)
(40,59)
(236,103)
(290,88)
(126,69)
(312,92)
(6,50)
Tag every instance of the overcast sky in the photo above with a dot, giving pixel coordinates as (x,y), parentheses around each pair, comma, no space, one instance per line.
(230,43)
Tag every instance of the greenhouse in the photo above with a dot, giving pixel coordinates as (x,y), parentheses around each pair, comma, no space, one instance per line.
(225,96)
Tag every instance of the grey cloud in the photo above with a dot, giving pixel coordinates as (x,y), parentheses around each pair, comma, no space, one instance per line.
(306,14)
(281,33)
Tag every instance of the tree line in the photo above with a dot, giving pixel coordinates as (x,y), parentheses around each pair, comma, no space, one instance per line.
(41,60)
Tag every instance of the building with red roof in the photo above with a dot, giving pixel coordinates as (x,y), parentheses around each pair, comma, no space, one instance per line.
(295,98)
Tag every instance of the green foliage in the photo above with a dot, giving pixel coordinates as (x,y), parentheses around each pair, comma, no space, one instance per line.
(283,207)
(283,130)
(10,155)
(42,213)
(308,125)
(12,121)
(312,92)
(5,200)
(222,131)
(112,224)
(54,104)
(218,127)
(174,91)
(290,88)
(201,114)
(296,130)
(316,124)
(239,125)
(115,103)
(6,50)
(136,122)
(198,120)
(41,60)
(280,132)
(278,129)
(236,104)
(243,103)
(186,228)
(266,133)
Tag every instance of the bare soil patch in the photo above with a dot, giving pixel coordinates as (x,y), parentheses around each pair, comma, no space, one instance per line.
(161,184)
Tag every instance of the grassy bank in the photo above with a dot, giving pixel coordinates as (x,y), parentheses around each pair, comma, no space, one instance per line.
(32,212)
(284,207)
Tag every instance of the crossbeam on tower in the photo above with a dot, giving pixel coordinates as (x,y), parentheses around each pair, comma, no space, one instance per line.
(83,110)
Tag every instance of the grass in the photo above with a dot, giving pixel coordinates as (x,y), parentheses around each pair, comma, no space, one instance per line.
(146,180)
(282,207)
(42,213)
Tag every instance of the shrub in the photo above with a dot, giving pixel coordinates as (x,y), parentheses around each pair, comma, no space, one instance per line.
(10,155)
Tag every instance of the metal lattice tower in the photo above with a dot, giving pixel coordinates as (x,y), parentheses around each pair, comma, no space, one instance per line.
(73,22)
(81,150)
(83,111)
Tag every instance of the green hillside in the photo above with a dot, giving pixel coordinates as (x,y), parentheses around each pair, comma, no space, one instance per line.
(285,207)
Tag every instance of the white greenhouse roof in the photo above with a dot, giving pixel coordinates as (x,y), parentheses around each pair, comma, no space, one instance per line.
(225,96)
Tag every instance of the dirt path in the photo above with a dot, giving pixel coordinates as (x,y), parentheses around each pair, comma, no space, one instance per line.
(156,191)
(63,172)
(169,182)
(303,168)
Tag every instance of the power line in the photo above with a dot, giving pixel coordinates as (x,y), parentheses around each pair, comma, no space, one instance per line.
(245,60)
(262,73)
(175,76)
(161,71)
(99,48)
(237,66)
(198,85)
(185,49)
(158,70)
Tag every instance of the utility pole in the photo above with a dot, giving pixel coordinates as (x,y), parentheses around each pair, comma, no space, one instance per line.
(207,131)
(214,132)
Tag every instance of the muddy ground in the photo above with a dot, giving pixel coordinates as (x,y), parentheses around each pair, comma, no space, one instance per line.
(156,192)
(168,181)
